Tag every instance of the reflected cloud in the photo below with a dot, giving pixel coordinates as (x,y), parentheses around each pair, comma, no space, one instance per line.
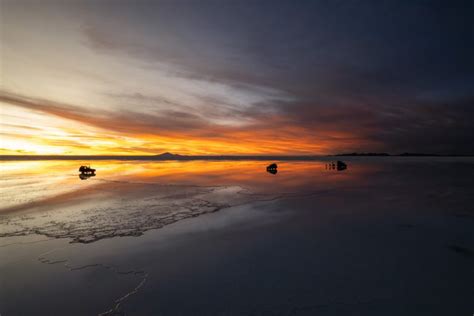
(25,182)
(128,198)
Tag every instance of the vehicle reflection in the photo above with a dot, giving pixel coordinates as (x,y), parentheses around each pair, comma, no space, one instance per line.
(85,176)
(273,168)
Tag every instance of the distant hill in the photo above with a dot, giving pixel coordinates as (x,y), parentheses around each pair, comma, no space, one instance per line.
(171,156)
(160,157)
(168,155)
(363,154)
(396,155)
(418,155)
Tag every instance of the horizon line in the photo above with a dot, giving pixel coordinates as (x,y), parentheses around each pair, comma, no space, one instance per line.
(170,156)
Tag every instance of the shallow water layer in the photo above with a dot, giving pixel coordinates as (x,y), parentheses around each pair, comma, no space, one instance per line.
(385,236)
(129,198)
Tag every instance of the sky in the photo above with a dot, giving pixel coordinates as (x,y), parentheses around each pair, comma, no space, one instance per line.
(236,77)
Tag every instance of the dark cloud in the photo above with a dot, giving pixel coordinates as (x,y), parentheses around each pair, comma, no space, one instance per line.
(419,126)
(365,75)
(303,47)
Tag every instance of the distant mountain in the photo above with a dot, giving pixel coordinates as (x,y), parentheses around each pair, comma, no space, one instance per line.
(418,155)
(171,156)
(363,154)
(397,155)
(168,155)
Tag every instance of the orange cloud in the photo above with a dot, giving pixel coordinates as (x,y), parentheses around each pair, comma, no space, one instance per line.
(66,129)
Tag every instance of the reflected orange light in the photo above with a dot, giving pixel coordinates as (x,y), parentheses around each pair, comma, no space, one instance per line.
(25,182)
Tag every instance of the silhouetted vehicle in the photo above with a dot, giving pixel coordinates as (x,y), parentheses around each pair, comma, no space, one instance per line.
(272,168)
(338,165)
(87,170)
(341,165)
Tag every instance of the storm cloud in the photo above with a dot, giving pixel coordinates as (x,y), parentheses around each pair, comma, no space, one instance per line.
(323,76)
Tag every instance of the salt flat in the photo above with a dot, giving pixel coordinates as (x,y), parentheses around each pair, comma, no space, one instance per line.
(386,236)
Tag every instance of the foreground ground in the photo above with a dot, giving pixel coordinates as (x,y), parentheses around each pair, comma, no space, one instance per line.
(387,236)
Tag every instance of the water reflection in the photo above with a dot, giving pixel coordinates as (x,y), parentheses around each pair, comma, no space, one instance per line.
(128,198)
(85,176)
(272,168)
(23,182)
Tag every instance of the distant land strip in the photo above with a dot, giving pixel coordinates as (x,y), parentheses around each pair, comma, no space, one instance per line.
(156,158)
(169,156)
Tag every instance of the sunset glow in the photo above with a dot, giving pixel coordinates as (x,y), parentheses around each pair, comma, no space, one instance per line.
(47,131)
(106,77)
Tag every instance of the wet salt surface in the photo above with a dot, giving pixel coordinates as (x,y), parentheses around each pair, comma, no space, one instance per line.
(382,238)
(149,207)
(127,204)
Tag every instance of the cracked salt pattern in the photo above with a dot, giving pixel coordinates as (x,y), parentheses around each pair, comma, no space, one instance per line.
(130,215)
(115,309)
(118,202)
